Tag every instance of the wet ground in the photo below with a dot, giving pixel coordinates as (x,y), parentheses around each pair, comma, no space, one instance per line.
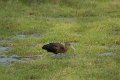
(22,36)
(114,47)
(2,49)
(5,59)
(105,54)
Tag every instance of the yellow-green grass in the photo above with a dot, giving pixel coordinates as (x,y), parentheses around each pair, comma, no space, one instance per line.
(93,24)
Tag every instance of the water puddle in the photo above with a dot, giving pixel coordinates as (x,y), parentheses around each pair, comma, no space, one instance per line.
(4,49)
(22,36)
(4,59)
(105,54)
(115,47)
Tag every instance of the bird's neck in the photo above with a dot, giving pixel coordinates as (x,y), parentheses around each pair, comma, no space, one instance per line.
(66,47)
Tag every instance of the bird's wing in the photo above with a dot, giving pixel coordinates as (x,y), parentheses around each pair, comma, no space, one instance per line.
(53,46)
(56,47)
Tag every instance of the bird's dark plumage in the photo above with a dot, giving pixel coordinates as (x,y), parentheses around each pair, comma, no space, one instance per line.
(56,47)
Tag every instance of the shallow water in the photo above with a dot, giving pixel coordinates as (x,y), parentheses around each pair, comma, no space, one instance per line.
(105,54)
(21,36)
(4,59)
(4,49)
(115,47)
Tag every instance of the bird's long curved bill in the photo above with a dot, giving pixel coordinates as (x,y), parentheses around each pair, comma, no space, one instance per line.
(73,49)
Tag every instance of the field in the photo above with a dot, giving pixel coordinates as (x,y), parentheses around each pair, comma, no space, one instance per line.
(93,26)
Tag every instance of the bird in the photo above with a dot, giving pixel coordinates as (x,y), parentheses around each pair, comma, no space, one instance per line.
(57,47)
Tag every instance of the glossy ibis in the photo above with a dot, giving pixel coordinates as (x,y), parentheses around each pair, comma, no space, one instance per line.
(57,47)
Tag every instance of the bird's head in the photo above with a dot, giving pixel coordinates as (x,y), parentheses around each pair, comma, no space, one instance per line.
(70,44)
(67,44)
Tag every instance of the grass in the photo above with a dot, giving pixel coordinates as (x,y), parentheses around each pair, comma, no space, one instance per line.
(93,24)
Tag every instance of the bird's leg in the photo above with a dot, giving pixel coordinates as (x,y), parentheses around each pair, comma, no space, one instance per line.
(64,54)
(55,54)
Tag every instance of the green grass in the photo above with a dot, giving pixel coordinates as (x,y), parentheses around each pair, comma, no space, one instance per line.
(93,24)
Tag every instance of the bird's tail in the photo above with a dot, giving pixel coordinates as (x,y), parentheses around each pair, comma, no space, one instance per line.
(44,47)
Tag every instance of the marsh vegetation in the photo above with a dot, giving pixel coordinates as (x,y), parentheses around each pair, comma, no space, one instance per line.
(93,26)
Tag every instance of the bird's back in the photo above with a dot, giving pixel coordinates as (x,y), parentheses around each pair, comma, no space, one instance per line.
(55,48)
